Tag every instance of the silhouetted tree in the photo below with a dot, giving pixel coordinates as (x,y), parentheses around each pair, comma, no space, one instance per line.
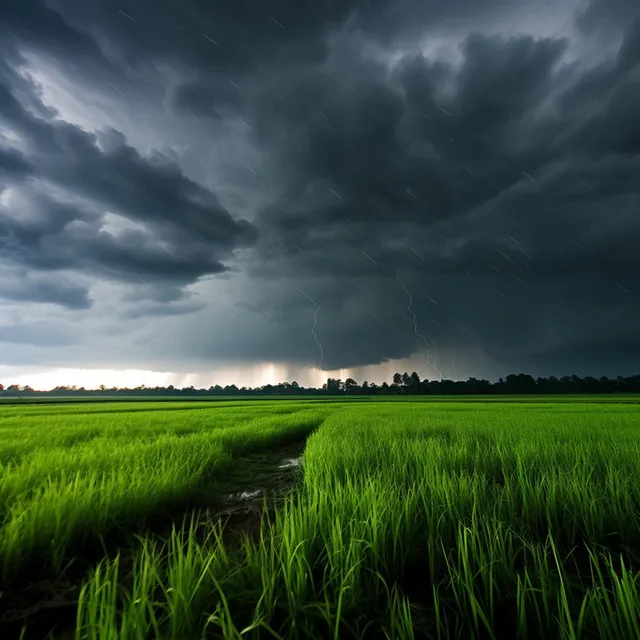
(350,384)
(402,384)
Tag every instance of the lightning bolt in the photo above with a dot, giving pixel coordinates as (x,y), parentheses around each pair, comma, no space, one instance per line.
(415,326)
(313,328)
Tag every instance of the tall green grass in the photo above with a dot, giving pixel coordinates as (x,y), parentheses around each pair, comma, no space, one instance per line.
(67,478)
(456,520)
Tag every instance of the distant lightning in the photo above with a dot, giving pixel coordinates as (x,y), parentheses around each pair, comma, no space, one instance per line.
(313,328)
(415,326)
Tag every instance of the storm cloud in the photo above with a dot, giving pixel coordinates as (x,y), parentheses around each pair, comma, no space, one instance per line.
(329,184)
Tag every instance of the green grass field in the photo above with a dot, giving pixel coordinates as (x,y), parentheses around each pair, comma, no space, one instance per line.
(410,519)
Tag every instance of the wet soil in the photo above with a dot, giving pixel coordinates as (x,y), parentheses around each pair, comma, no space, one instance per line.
(47,609)
(239,497)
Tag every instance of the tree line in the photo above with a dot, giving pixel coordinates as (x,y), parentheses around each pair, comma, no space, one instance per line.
(401,384)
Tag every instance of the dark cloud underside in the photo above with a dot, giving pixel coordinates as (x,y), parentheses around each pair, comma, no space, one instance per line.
(491,191)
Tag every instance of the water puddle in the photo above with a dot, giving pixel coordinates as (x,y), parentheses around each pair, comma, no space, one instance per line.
(244,495)
(239,498)
(290,462)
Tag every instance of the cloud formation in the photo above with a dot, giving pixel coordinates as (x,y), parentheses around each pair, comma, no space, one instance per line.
(474,151)
(62,186)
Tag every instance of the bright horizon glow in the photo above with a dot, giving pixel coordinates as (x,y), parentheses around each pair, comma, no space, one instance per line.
(249,375)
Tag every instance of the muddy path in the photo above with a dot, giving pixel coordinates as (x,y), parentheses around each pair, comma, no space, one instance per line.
(237,500)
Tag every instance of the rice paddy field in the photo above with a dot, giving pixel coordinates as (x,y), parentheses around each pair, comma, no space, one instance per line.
(321,519)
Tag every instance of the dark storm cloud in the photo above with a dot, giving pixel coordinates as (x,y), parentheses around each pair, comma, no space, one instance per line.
(38,24)
(39,334)
(48,289)
(495,199)
(77,177)
(607,14)
(13,165)
(513,170)
(248,36)
(381,156)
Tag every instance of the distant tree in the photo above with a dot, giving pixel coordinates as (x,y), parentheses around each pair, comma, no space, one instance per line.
(1,387)
(606,385)
(521,383)
(565,383)
(333,385)
(402,383)
(350,384)
(576,383)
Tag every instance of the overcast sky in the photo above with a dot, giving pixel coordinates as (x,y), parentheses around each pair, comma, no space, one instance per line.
(207,191)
